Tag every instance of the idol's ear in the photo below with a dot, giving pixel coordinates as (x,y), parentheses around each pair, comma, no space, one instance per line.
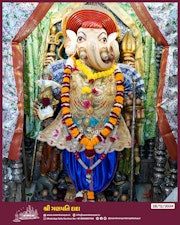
(113,46)
(111,37)
(71,35)
(70,48)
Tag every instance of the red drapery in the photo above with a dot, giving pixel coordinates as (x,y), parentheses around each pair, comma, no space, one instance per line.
(17,55)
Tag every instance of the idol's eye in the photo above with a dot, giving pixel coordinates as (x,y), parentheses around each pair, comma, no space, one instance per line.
(103,40)
(81,37)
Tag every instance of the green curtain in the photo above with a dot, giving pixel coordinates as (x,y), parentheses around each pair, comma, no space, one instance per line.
(149,76)
(150,81)
(34,46)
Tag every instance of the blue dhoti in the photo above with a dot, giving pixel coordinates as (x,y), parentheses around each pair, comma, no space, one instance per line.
(102,174)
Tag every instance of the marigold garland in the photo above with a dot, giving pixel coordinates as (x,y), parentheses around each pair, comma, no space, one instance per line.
(114,114)
(94,75)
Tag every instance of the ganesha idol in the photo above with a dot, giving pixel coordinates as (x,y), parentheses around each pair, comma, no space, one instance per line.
(89,127)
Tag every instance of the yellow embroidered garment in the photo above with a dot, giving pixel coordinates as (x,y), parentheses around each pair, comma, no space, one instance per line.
(90,111)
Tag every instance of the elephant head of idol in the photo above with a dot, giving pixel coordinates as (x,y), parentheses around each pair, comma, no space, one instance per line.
(91,33)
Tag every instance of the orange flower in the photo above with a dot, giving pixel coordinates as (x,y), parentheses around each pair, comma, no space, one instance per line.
(119,77)
(119,99)
(90,195)
(65,99)
(117,110)
(65,110)
(84,141)
(105,132)
(67,70)
(74,132)
(89,147)
(66,79)
(69,122)
(95,141)
(65,90)
(120,88)
(113,120)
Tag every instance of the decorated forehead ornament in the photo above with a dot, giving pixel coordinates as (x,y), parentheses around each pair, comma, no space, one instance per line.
(74,20)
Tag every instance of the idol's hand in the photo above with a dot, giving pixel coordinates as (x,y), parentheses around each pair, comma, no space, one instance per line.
(50,57)
(36,106)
